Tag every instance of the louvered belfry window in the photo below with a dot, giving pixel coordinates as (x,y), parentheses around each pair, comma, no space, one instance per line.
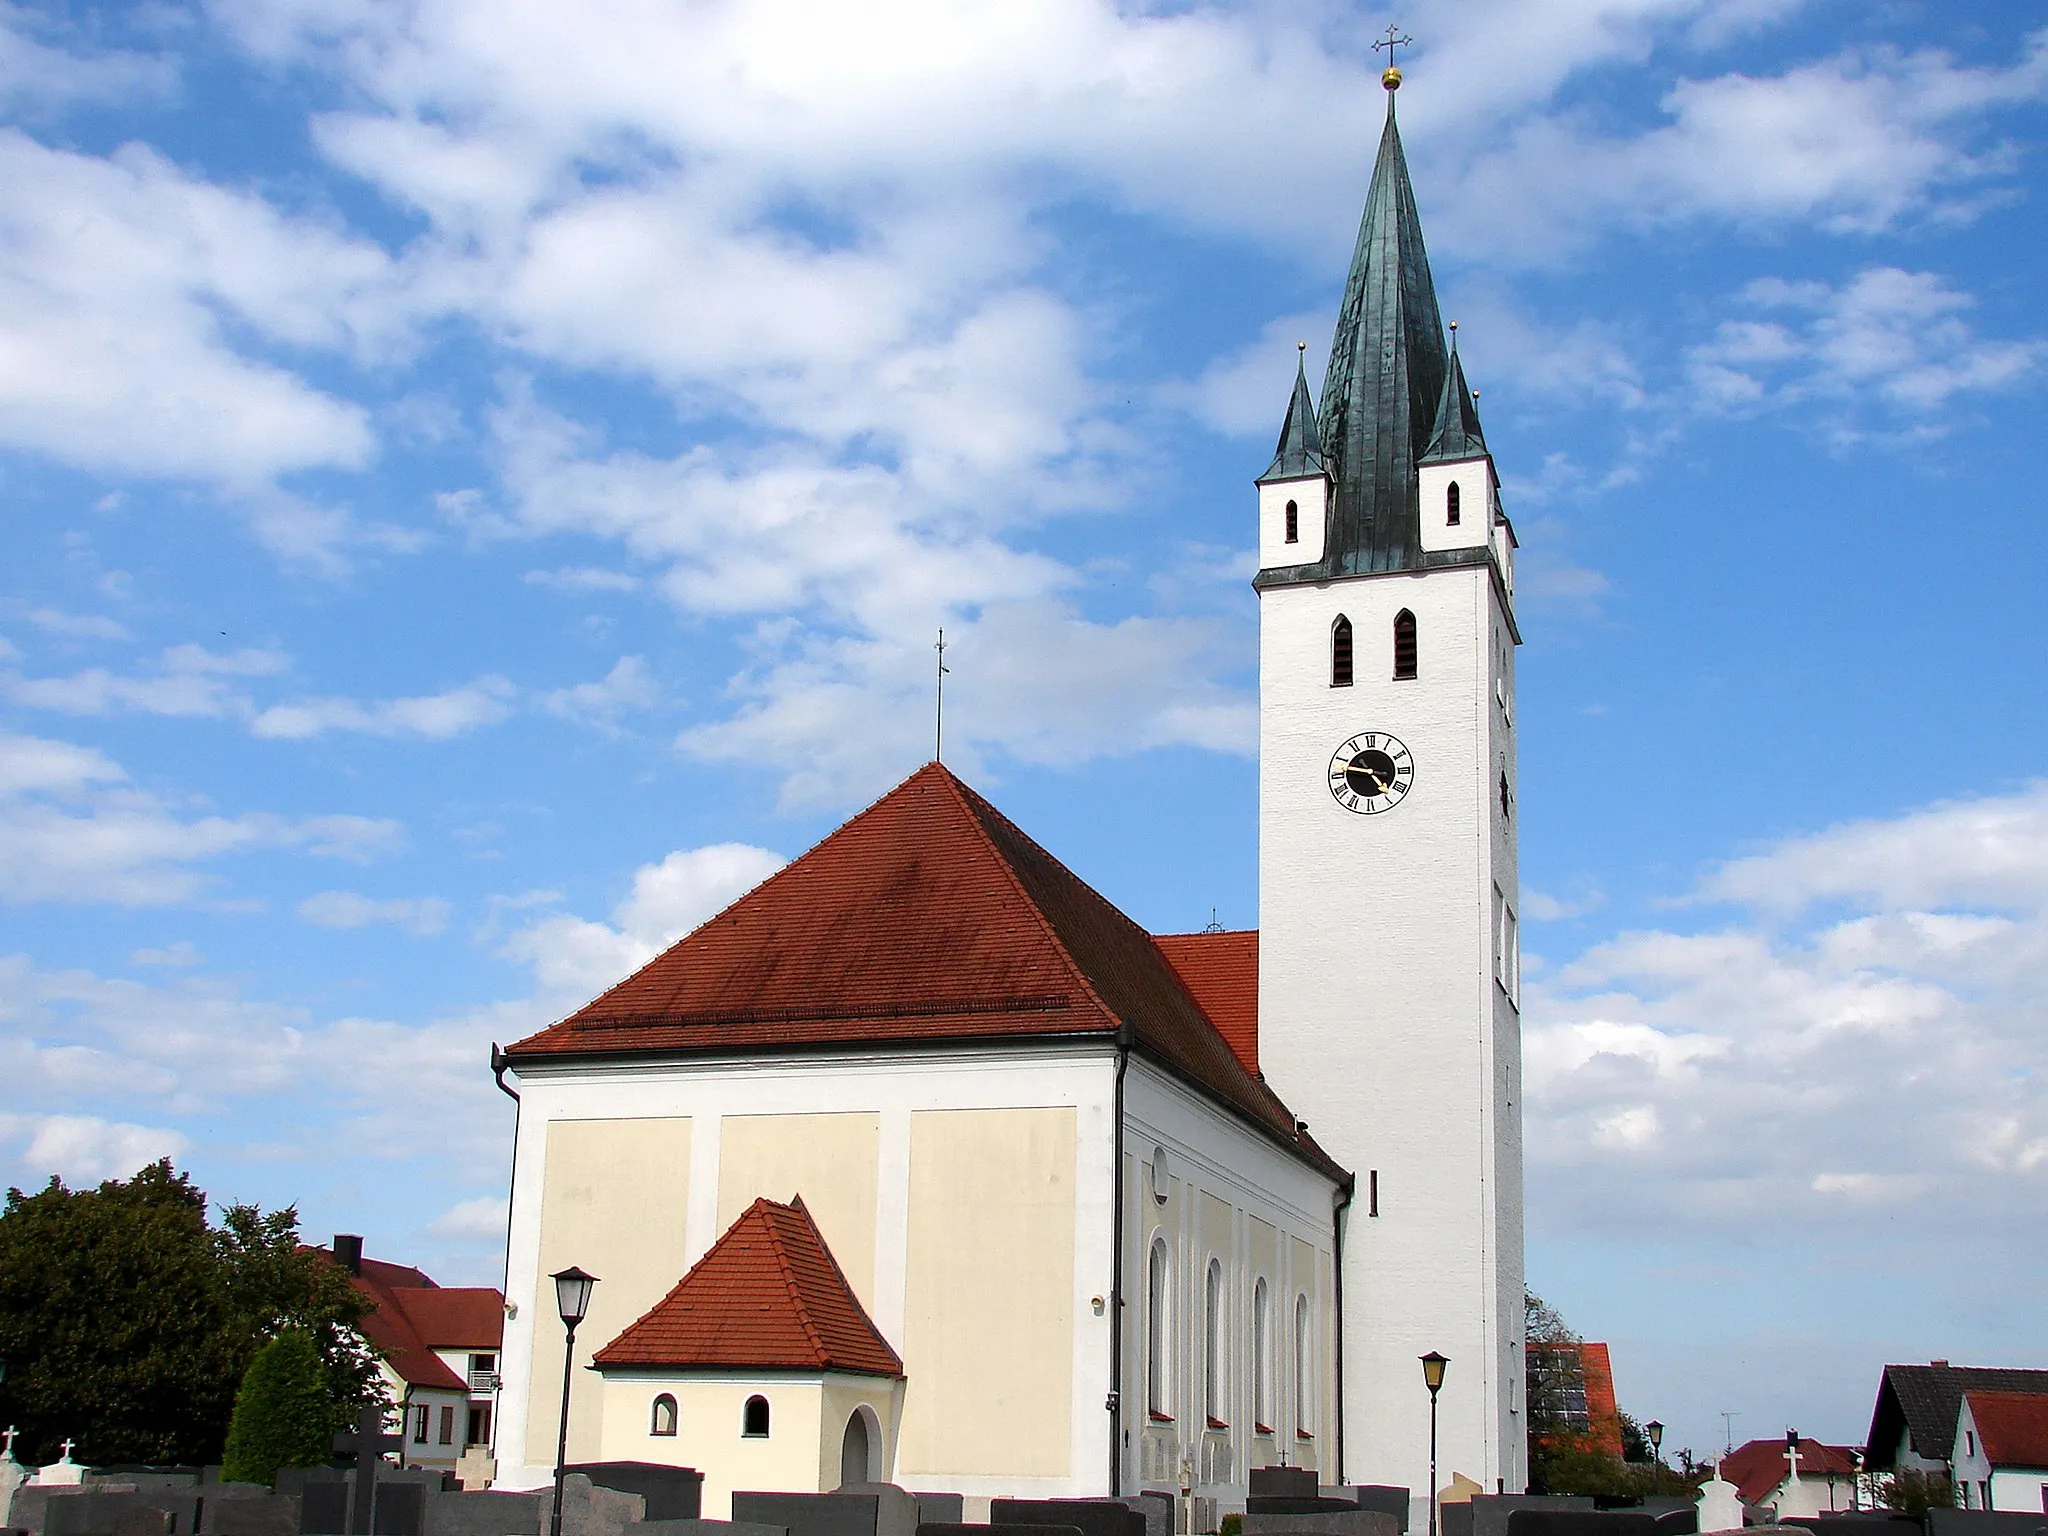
(1404,644)
(1340,653)
(1451,505)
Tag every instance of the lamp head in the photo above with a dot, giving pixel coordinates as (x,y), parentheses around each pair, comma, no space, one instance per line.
(572,1295)
(1656,1433)
(1433,1371)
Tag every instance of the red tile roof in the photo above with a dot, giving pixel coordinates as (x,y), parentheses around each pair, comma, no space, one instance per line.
(410,1317)
(928,917)
(1603,1414)
(768,1296)
(1221,973)
(2012,1427)
(1758,1467)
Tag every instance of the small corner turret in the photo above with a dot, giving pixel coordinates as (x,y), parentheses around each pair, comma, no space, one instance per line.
(1458,491)
(1294,492)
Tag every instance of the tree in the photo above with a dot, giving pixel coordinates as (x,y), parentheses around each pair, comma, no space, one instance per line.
(1563,1455)
(284,1414)
(1914,1493)
(127,1322)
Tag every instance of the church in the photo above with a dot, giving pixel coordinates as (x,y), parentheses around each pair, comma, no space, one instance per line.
(923,1163)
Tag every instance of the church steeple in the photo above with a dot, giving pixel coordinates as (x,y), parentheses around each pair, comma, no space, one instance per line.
(1456,434)
(1384,385)
(1300,452)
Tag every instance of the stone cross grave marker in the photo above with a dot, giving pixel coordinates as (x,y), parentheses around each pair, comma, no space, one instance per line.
(367,1443)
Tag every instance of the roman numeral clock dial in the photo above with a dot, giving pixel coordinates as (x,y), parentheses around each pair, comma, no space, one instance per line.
(1371,772)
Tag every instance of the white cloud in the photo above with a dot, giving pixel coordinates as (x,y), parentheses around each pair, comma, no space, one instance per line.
(77,626)
(83,1149)
(348,909)
(434,717)
(1246,392)
(183,953)
(573,956)
(629,685)
(188,681)
(481,1218)
(37,77)
(71,830)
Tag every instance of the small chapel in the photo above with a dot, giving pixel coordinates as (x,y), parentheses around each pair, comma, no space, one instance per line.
(923,1163)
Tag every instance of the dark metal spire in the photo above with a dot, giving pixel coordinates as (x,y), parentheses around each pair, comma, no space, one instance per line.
(1457,434)
(1386,380)
(1301,442)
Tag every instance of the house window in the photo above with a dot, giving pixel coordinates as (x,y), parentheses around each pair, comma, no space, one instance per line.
(479,1424)
(1451,505)
(1404,644)
(1262,1358)
(1340,653)
(1304,1389)
(421,1417)
(1372,1192)
(448,1424)
(1212,1343)
(754,1419)
(1970,1440)
(1158,1293)
(1293,523)
(663,1419)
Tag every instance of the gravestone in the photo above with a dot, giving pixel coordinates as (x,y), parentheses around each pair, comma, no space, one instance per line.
(947,1528)
(401,1508)
(1487,1514)
(672,1493)
(1573,1522)
(269,1514)
(703,1528)
(322,1493)
(1090,1516)
(884,1510)
(366,1443)
(12,1475)
(941,1508)
(63,1472)
(487,1514)
(1384,1497)
(1349,1520)
(588,1510)
(110,1514)
(1984,1522)
(1283,1483)
(477,1469)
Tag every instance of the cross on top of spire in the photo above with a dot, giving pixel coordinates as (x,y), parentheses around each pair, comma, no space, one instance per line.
(1391,76)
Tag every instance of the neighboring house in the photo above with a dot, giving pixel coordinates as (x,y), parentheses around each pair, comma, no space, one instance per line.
(1913,1426)
(2000,1453)
(1794,1478)
(1576,1379)
(438,1346)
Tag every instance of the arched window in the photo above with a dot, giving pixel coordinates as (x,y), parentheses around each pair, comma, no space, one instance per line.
(1304,1383)
(1293,523)
(1212,1342)
(1404,644)
(754,1418)
(853,1451)
(1262,1357)
(1451,505)
(1158,1299)
(663,1421)
(1340,653)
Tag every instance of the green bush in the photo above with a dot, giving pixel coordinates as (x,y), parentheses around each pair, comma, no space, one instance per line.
(1233,1525)
(284,1414)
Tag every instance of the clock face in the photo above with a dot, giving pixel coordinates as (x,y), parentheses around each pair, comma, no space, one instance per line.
(1371,772)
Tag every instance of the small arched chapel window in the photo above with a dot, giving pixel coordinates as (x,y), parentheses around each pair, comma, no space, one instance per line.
(1404,644)
(1451,505)
(754,1419)
(664,1418)
(1212,1342)
(1158,1297)
(1340,653)
(1293,523)
(1304,1370)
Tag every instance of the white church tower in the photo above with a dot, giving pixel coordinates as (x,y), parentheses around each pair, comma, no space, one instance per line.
(1388,957)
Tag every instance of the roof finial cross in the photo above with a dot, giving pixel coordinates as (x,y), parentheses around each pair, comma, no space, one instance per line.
(939,712)
(7,1451)
(1391,76)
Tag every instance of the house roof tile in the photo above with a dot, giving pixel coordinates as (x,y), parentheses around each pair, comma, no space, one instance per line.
(1221,973)
(1922,1401)
(1758,1467)
(767,1296)
(2012,1427)
(410,1317)
(928,917)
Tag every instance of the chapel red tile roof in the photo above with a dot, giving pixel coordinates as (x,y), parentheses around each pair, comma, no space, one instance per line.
(1758,1467)
(768,1296)
(1221,973)
(928,917)
(410,1317)
(2012,1427)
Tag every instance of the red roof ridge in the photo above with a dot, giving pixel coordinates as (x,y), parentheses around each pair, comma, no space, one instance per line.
(797,1299)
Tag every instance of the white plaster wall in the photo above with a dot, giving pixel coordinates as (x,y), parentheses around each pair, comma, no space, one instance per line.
(891,1085)
(1222,1177)
(1474,530)
(1381,1018)
(1312,500)
(2022,1492)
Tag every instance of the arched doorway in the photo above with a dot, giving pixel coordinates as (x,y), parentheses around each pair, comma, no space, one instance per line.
(853,1451)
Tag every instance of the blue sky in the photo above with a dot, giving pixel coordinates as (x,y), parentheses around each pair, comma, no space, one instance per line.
(481,480)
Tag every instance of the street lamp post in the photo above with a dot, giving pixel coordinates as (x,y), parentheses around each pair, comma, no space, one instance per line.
(572,1300)
(1656,1433)
(1433,1378)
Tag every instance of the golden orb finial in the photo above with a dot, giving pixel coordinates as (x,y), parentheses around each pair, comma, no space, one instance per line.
(1390,77)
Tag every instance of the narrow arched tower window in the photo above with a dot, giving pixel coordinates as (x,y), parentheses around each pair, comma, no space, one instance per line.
(664,1421)
(1340,653)
(1158,1291)
(1404,644)
(1451,505)
(754,1419)
(1212,1342)
(1293,523)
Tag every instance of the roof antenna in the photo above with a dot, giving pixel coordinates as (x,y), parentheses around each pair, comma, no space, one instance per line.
(939,720)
